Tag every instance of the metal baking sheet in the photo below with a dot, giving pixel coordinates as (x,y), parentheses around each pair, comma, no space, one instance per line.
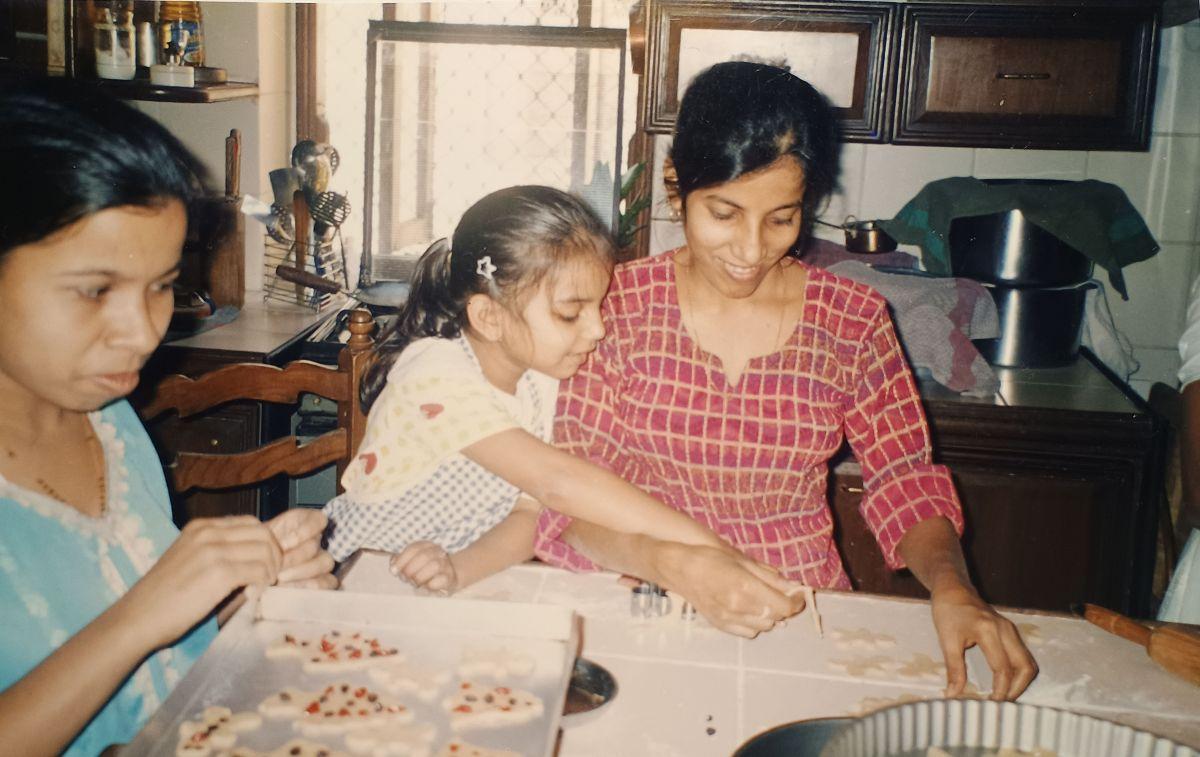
(432,633)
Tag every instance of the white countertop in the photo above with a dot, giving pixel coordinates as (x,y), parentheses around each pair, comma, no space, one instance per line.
(685,688)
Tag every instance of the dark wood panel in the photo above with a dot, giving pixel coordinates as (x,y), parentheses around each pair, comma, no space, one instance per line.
(1046,77)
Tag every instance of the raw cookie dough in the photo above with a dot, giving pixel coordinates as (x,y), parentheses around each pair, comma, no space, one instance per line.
(400,677)
(497,662)
(337,707)
(861,638)
(458,748)
(294,748)
(479,706)
(333,651)
(217,728)
(388,739)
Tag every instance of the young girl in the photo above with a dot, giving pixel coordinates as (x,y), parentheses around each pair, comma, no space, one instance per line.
(457,459)
(105,604)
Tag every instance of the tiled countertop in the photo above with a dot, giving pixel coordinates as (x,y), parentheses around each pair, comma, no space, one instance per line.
(685,688)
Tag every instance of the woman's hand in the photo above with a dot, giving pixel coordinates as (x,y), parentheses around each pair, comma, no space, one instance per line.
(735,593)
(305,564)
(212,558)
(426,566)
(963,620)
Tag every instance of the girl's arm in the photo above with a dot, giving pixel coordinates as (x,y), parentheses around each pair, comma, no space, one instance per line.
(47,708)
(509,543)
(575,487)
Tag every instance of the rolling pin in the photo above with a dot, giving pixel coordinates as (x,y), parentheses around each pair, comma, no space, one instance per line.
(1172,647)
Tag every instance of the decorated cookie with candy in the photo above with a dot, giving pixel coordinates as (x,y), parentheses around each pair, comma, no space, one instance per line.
(294,748)
(217,729)
(457,748)
(479,706)
(333,651)
(336,707)
(392,739)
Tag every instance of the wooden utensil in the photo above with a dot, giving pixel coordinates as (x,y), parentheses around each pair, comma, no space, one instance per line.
(1175,649)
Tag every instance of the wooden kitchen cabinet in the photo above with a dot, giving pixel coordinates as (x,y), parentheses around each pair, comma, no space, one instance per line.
(1058,494)
(843,49)
(1055,74)
(1048,76)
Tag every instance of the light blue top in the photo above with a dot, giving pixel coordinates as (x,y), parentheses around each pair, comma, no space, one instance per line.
(59,569)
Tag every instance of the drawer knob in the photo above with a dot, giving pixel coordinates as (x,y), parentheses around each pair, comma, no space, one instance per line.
(853,489)
(1021,77)
(214,442)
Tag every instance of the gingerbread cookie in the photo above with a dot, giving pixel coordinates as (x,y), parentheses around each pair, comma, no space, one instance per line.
(387,739)
(497,662)
(479,706)
(217,729)
(337,707)
(333,651)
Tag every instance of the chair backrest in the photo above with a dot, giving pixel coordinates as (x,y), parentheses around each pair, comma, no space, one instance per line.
(268,383)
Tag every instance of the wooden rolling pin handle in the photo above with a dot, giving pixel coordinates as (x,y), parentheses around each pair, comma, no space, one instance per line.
(1115,622)
(287,273)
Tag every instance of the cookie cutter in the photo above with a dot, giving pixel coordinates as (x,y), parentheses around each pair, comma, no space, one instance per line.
(649,600)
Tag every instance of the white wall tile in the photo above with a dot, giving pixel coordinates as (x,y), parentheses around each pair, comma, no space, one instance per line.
(1163,184)
(1177,102)
(665,235)
(893,174)
(848,199)
(991,163)
(1158,288)
(230,33)
(1157,364)
(276,43)
(659,208)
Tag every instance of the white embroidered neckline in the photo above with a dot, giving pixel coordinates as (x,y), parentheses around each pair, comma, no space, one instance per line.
(116,474)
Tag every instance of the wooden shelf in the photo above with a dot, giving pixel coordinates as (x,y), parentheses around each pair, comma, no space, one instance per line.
(140,89)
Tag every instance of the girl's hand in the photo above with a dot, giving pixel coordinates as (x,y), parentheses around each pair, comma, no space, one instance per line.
(426,566)
(963,620)
(734,592)
(305,564)
(212,558)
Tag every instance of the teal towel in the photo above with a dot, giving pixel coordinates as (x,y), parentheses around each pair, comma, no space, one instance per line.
(1093,217)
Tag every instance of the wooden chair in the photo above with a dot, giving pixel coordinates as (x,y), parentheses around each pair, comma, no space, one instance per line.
(268,383)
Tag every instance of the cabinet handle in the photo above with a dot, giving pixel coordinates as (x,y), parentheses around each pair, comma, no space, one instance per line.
(214,442)
(853,489)
(1022,77)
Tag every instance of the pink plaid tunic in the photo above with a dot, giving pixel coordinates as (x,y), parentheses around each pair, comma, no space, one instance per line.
(750,460)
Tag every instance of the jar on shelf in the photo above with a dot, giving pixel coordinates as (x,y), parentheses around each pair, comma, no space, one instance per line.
(181,22)
(113,41)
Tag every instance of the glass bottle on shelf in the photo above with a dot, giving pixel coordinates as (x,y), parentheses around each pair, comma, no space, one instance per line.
(181,22)
(113,40)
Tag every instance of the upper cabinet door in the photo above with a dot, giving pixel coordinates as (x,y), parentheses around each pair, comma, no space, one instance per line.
(843,49)
(1044,77)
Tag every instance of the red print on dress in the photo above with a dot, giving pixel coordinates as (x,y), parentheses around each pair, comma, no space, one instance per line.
(432,410)
(369,459)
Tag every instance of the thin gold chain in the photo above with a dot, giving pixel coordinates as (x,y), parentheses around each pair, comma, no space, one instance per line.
(97,452)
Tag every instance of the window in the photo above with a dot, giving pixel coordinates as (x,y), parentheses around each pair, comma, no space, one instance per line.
(465,98)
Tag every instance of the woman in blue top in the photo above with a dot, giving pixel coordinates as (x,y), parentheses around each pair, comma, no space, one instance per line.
(105,604)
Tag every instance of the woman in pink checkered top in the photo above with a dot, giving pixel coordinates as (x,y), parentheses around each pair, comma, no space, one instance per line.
(731,374)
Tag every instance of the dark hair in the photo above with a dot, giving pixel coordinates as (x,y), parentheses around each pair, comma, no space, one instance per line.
(525,232)
(70,151)
(738,117)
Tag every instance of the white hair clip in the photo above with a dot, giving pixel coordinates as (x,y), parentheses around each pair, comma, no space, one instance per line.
(485,268)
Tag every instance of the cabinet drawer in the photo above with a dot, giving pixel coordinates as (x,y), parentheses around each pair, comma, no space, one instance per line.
(1027,77)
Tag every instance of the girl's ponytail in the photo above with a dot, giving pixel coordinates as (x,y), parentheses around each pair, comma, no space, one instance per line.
(432,309)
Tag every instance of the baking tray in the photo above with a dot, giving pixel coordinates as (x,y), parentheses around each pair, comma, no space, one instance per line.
(431,632)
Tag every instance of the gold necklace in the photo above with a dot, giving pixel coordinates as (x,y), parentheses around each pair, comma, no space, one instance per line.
(97,452)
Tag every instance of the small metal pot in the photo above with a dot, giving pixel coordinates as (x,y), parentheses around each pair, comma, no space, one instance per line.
(867,237)
(1039,327)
